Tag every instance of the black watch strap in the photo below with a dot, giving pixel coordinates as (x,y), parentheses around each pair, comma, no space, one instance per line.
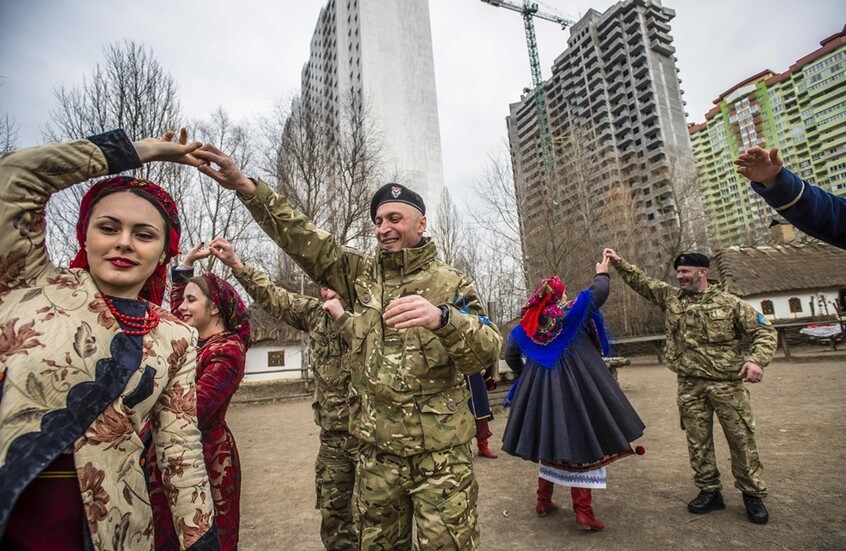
(444,315)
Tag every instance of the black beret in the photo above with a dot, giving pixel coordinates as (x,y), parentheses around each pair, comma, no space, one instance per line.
(692,259)
(395,193)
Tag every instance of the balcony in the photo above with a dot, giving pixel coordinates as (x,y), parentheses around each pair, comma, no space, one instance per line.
(608,41)
(640,70)
(662,48)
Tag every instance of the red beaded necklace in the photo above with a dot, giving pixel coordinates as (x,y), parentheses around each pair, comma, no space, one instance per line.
(137,325)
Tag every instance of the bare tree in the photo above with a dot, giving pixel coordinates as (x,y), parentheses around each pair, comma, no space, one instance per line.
(129,90)
(575,222)
(8,134)
(448,230)
(496,258)
(626,311)
(683,200)
(494,206)
(325,163)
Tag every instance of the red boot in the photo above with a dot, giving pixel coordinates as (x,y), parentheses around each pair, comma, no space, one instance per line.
(482,435)
(584,512)
(545,503)
(485,451)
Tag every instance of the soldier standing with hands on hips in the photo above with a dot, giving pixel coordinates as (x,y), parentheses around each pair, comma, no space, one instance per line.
(412,347)
(706,328)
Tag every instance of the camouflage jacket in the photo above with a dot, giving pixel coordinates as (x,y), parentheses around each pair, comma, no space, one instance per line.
(409,395)
(328,351)
(706,331)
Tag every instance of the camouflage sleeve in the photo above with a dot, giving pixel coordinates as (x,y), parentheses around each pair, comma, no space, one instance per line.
(651,289)
(315,251)
(298,311)
(344,325)
(471,340)
(763,334)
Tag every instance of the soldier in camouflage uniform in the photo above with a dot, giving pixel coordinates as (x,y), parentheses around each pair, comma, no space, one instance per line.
(706,329)
(329,354)
(412,347)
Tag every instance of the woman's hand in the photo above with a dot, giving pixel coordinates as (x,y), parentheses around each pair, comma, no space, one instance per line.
(602,266)
(225,252)
(165,149)
(195,253)
(228,175)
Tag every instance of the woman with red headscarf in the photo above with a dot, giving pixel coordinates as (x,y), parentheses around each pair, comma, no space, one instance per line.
(567,411)
(213,307)
(88,357)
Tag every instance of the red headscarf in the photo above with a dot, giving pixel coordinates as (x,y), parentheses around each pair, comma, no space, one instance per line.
(154,287)
(541,318)
(233,311)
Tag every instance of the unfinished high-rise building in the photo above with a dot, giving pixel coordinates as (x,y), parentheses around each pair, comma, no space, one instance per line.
(622,172)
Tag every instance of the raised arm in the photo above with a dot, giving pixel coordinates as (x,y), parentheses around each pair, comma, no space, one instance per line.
(30,176)
(180,275)
(315,251)
(651,289)
(298,311)
(601,286)
(813,210)
(27,180)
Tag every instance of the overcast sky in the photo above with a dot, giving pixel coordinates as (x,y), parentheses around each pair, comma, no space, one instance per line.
(244,55)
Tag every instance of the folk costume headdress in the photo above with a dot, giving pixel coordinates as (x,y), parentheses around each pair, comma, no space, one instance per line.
(233,311)
(548,325)
(154,287)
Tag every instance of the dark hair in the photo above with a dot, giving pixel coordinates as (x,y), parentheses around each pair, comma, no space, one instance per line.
(144,195)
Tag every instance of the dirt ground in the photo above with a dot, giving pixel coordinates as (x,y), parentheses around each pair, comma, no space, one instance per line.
(801,429)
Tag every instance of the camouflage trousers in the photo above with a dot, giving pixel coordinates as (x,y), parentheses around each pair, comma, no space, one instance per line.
(335,482)
(436,490)
(698,400)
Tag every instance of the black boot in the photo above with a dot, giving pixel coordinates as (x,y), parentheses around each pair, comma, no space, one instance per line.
(706,502)
(755,509)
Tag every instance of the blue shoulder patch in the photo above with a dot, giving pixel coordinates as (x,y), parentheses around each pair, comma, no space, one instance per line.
(762,320)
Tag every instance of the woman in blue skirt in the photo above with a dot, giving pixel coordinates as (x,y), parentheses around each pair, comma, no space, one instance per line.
(567,411)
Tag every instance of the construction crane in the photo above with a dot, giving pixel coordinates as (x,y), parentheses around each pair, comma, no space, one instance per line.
(529,10)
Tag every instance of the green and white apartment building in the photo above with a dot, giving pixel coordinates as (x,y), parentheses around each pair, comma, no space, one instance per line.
(802,111)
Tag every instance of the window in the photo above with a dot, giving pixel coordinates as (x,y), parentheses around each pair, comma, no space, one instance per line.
(276,358)
(767,308)
(795,305)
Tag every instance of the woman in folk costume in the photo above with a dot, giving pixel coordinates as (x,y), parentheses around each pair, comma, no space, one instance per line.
(88,357)
(214,308)
(567,412)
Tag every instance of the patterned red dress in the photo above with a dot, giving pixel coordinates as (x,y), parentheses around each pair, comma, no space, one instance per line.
(220,368)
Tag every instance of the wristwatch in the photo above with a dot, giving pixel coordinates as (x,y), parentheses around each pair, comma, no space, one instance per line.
(444,315)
